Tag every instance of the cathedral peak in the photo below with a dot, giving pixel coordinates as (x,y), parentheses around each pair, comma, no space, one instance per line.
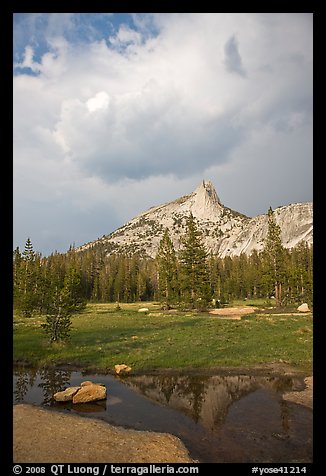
(226,232)
(207,188)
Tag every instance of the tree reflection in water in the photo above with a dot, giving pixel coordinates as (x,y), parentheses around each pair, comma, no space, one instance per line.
(53,381)
(25,380)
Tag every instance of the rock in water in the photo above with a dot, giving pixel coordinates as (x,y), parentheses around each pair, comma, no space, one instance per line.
(90,393)
(67,395)
(303,308)
(121,367)
(87,382)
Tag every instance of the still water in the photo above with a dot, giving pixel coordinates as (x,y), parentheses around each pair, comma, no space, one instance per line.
(238,418)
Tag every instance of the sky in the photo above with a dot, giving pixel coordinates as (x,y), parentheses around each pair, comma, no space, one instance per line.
(115,113)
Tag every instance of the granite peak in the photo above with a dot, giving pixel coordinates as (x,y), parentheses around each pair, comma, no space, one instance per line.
(225,232)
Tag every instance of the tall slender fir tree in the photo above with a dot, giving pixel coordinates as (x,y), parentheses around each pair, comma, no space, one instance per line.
(274,258)
(167,267)
(194,268)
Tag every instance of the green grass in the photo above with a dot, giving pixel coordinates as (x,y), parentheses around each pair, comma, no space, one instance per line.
(102,337)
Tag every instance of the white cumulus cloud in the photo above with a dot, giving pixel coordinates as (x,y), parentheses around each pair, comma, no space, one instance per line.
(100,101)
(169,108)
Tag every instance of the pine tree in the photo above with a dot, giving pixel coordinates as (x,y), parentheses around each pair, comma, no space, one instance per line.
(27,280)
(194,268)
(167,271)
(273,257)
(62,303)
(17,275)
(254,274)
(300,274)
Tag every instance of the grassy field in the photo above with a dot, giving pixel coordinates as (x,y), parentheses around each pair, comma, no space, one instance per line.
(103,336)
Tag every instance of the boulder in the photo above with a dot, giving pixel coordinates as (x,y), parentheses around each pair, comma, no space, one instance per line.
(143,309)
(90,393)
(121,367)
(67,395)
(303,308)
(89,382)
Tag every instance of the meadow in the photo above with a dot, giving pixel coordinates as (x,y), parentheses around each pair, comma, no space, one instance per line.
(102,336)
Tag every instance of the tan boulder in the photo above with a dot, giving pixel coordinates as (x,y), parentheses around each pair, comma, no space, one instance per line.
(67,395)
(303,308)
(121,367)
(88,382)
(90,393)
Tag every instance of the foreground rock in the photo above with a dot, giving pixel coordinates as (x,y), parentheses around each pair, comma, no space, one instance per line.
(66,395)
(86,392)
(90,393)
(84,440)
(87,382)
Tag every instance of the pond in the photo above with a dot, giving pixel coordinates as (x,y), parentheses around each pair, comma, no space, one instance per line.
(220,418)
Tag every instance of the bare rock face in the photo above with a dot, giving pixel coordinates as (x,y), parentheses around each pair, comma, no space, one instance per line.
(90,393)
(67,395)
(225,232)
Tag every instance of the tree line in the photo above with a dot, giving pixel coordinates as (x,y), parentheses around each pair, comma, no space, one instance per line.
(61,284)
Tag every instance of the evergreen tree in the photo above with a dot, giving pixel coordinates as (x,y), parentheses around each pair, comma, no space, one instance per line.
(17,275)
(254,274)
(61,305)
(300,274)
(27,280)
(274,256)
(167,271)
(194,268)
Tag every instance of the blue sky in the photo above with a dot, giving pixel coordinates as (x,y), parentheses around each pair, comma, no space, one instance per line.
(115,113)
(77,28)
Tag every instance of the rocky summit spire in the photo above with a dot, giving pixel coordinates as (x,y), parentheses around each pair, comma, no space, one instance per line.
(209,188)
(205,202)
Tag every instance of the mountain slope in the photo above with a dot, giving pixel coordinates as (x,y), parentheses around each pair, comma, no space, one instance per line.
(225,231)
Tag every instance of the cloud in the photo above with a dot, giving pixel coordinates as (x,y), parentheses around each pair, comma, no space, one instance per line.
(125,36)
(100,101)
(233,61)
(164,99)
(28,60)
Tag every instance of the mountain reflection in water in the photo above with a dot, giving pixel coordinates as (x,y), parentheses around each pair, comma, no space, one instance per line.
(220,418)
(205,399)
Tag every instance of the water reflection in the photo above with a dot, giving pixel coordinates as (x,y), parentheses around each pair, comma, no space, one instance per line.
(53,381)
(233,418)
(24,381)
(92,407)
(49,380)
(206,399)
